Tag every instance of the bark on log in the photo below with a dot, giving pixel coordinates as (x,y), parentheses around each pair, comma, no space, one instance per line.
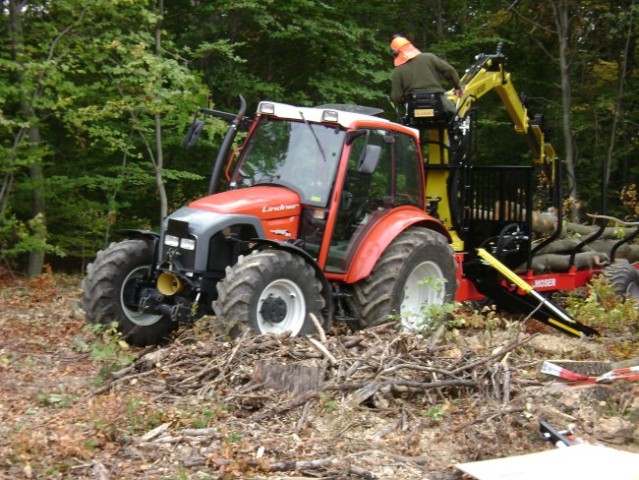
(545,223)
(627,251)
(556,255)
(290,377)
(552,262)
(609,233)
(603,247)
(564,245)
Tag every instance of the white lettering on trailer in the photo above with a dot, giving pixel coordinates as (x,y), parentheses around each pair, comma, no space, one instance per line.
(278,208)
(545,283)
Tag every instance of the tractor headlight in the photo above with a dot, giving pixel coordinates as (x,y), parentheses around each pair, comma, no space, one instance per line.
(171,240)
(175,242)
(187,244)
(266,108)
(329,116)
(177,235)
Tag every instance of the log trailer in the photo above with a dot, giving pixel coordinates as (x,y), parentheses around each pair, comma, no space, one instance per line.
(333,213)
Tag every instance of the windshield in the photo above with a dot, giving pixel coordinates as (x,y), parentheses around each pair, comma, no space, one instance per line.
(298,155)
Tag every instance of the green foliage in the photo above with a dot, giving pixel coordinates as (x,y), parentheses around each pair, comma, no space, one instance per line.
(87,77)
(435,413)
(602,308)
(329,404)
(481,315)
(233,437)
(140,419)
(60,399)
(430,317)
(108,349)
(19,237)
(90,118)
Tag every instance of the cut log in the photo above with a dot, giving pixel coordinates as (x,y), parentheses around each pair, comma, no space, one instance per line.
(564,245)
(604,247)
(609,233)
(553,262)
(544,223)
(628,251)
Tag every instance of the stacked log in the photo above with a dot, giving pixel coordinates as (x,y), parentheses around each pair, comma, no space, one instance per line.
(594,253)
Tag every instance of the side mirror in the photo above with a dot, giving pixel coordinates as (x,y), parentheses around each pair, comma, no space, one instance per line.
(369,159)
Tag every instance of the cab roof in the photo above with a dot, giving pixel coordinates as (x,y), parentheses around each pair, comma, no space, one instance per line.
(344,115)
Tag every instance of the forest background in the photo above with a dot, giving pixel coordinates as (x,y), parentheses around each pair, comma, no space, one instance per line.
(96,95)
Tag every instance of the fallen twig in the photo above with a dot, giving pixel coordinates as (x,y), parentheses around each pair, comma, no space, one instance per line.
(284,407)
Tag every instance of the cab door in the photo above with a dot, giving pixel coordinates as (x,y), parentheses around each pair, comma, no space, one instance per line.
(396,180)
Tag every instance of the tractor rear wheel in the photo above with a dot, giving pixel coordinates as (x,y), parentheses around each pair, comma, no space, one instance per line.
(271,291)
(624,279)
(417,271)
(109,293)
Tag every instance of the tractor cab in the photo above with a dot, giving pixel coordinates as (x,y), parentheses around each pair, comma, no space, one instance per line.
(347,167)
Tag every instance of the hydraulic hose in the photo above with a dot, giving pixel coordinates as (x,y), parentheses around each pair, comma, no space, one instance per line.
(225,148)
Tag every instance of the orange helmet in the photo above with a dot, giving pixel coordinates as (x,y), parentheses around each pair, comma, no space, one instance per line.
(402,50)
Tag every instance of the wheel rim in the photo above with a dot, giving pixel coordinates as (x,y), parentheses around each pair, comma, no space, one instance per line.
(136,316)
(287,300)
(424,286)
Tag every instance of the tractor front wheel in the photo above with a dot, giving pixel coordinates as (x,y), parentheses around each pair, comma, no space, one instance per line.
(271,291)
(415,275)
(110,293)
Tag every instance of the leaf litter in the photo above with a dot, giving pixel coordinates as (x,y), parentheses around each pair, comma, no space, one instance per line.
(374,404)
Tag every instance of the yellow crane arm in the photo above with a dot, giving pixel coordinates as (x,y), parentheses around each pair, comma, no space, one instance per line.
(488,74)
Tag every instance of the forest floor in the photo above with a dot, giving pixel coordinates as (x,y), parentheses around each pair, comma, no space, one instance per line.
(75,403)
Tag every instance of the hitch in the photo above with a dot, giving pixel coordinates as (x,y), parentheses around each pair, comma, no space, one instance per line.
(154,303)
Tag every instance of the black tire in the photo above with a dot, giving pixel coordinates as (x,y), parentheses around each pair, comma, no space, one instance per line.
(624,279)
(407,277)
(105,288)
(271,291)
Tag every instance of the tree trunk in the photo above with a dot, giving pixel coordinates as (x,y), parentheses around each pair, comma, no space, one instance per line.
(562,24)
(440,20)
(623,70)
(36,256)
(159,153)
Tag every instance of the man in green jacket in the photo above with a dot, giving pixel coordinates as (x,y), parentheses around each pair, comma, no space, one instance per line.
(420,72)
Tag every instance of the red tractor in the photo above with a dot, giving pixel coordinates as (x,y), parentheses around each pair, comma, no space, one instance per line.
(330,213)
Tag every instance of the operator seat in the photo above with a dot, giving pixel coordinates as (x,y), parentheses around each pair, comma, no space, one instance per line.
(424,110)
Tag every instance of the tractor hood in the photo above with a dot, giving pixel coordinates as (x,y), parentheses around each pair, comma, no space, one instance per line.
(265,202)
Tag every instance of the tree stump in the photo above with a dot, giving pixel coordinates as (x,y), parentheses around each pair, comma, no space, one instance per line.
(295,377)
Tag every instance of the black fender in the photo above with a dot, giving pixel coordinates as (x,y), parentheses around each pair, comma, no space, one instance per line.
(152,237)
(264,243)
(142,234)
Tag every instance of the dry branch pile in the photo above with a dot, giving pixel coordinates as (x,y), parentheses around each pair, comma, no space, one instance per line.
(377,404)
(370,398)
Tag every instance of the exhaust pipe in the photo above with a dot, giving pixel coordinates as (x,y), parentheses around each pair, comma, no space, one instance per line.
(169,284)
